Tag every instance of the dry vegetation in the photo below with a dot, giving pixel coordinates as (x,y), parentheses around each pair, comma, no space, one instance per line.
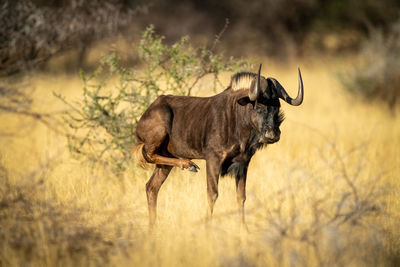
(326,194)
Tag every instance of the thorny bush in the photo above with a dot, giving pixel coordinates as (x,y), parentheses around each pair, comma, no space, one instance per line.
(103,124)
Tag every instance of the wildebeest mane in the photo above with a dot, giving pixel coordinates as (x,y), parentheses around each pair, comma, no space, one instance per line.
(242,80)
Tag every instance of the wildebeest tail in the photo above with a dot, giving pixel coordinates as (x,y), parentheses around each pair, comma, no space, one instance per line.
(138,156)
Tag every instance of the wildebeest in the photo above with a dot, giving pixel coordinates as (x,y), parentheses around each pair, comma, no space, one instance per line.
(225,129)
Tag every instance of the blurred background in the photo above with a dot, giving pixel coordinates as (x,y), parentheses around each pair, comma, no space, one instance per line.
(35,31)
(65,36)
(328,194)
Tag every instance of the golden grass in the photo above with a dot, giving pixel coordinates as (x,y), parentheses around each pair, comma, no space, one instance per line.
(74,214)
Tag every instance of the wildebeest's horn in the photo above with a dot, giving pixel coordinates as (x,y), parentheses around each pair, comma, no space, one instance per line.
(255,89)
(282,93)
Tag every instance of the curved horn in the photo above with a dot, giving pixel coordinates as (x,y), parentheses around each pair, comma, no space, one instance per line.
(282,93)
(255,88)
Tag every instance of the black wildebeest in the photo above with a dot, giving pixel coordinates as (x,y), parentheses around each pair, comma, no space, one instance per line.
(225,130)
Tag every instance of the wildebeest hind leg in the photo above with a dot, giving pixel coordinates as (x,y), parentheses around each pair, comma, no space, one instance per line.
(160,174)
(152,157)
(153,133)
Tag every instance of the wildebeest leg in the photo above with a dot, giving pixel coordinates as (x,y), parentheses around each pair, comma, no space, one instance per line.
(213,169)
(241,194)
(152,187)
(152,157)
(152,130)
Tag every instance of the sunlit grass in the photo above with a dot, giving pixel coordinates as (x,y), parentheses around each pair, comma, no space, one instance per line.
(286,183)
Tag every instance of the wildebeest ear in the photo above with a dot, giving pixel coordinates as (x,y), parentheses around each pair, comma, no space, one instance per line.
(244,101)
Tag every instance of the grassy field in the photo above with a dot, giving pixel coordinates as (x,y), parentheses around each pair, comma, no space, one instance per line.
(327,194)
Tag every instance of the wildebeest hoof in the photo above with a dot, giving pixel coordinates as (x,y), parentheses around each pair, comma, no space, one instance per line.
(193,167)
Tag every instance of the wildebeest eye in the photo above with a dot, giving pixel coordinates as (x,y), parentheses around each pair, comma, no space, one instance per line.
(280,116)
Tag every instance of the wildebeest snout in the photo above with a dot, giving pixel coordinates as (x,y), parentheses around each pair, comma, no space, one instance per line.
(271,136)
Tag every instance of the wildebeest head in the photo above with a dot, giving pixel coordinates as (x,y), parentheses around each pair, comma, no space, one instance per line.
(265,116)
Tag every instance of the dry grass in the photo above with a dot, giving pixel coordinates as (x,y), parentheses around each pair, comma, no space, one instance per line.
(326,194)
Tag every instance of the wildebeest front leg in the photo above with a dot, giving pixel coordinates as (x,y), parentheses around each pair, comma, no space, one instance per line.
(213,169)
(241,194)
(152,187)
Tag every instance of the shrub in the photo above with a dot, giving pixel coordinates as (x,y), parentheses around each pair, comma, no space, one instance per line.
(378,77)
(103,124)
